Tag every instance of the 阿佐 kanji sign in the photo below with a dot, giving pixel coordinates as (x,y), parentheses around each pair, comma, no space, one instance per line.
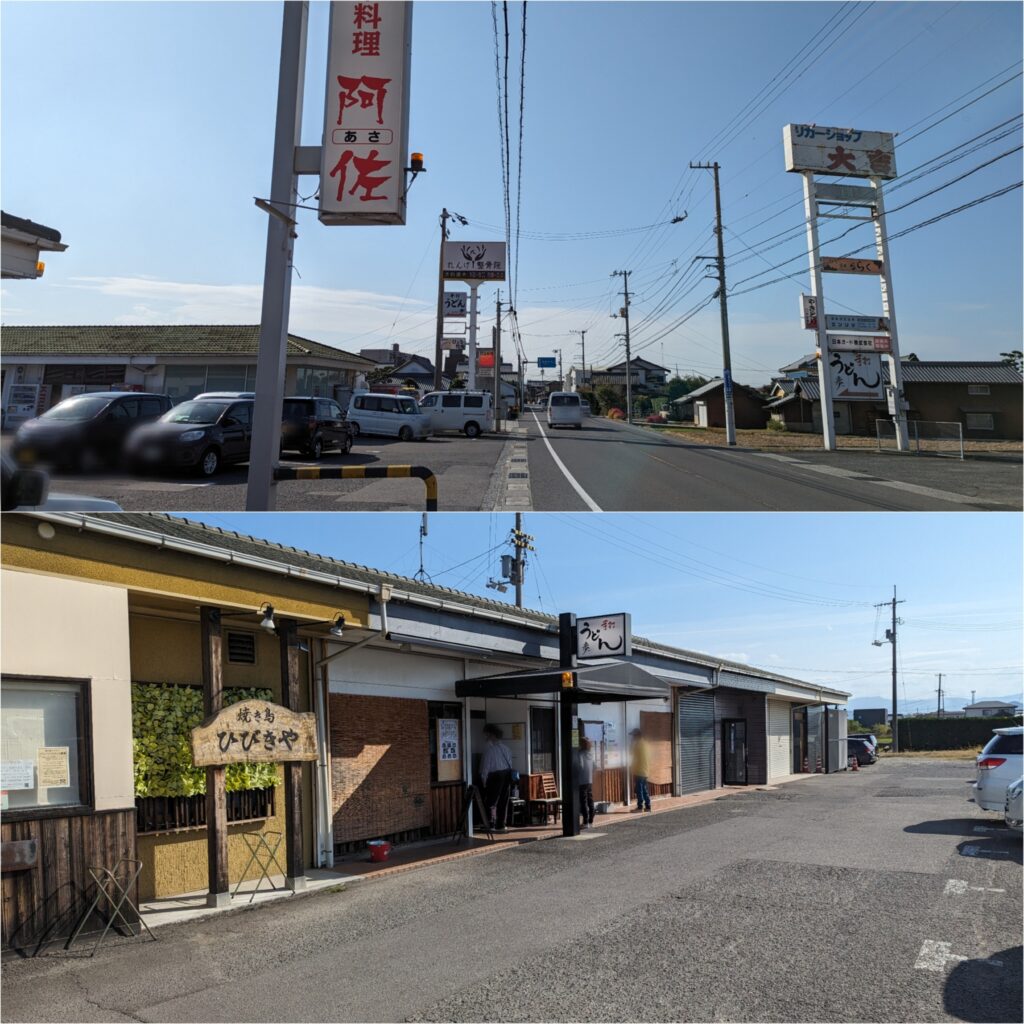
(366,124)
(841,151)
(604,636)
(473,261)
(254,731)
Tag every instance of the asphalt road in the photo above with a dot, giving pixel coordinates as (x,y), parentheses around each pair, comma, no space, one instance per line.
(870,896)
(629,468)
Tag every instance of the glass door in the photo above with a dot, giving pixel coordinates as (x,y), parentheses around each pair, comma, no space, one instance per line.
(734,752)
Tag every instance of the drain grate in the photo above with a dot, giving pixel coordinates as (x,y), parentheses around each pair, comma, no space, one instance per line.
(519,476)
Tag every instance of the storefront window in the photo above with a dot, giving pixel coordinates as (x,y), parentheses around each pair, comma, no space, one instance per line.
(319,382)
(226,378)
(445,741)
(42,738)
(184,382)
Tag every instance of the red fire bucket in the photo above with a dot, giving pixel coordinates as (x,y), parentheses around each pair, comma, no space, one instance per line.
(380,850)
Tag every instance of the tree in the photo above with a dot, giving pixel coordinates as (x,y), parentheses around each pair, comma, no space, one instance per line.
(1015,358)
(679,386)
(609,395)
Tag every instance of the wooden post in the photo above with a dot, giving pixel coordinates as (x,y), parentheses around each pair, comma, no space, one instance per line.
(219,894)
(294,862)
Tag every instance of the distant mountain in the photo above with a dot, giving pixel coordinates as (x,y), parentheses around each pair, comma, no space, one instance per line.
(923,704)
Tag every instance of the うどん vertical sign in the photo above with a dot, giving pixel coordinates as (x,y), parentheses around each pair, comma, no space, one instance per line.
(366,114)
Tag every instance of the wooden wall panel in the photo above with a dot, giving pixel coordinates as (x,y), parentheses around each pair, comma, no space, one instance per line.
(657,730)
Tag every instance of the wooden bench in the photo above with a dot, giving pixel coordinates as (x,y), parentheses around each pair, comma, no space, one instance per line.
(549,803)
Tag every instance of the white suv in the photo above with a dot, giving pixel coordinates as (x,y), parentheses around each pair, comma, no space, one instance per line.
(999,766)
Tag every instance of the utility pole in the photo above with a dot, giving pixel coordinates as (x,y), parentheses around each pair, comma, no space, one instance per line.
(624,313)
(439,333)
(730,413)
(890,638)
(939,708)
(973,692)
(583,346)
(561,376)
(496,392)
(522,542)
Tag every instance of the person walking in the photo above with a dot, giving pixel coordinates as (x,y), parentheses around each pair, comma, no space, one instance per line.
(640,765)
(496,776)
(585,781)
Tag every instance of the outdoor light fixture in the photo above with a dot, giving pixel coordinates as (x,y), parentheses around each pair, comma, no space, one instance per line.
(338,629)
(416,163)
(266,613)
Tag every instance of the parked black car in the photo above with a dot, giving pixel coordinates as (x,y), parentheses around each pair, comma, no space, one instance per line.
(86,432)
(312,425)
(869,736)
(201,435)
(862,750)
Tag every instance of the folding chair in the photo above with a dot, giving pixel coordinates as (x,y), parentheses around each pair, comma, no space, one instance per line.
(258,846)
(104,877)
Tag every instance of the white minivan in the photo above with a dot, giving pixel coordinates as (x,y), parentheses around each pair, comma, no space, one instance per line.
(390,415)
(565,409)
(467,411)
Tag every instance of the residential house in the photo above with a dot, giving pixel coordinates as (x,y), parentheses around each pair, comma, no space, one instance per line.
(992,709)
(646,377)
(705,406)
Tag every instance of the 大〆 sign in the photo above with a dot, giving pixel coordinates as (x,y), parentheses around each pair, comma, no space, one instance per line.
(845,265)
(604,636)
(454,303)
(856,376)
(254,731)
(839,321)
(859,343)
(366,114)
(845,152)
(546,362)
(473,261)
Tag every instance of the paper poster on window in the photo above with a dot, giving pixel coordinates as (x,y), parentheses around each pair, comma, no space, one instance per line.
(518,730)
(17,775)
(448,738)
(54,767)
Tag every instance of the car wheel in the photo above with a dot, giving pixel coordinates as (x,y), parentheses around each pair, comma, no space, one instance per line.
(405,434)
(471,430)
(209,462)
(346,445)
(355,429)
(316,447)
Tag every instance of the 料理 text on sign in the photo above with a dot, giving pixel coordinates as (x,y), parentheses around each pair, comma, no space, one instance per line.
(845,152)
(366,114)
(473,261)
(856,376)
(604,636)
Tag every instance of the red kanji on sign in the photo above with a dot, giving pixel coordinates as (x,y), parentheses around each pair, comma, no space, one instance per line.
(365,166)
(372,92)
(880,161)
(366,14)
(366,43)
(841,158)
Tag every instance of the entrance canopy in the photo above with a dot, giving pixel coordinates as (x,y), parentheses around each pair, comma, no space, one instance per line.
(587,684)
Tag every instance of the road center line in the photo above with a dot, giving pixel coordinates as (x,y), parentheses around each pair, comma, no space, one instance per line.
(590,503)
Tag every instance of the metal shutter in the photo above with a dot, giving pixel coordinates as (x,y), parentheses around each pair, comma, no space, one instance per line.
(696,742)
(779,742)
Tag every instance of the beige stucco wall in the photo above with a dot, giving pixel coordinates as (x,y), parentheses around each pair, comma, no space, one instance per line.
(71,629)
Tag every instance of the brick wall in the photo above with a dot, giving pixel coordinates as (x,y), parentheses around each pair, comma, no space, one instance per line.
(380,766)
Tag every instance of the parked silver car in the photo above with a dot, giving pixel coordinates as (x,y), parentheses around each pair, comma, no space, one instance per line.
(1013,813)
(999,765)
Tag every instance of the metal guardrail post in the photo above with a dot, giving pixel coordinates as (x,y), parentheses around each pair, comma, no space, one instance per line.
(363,473)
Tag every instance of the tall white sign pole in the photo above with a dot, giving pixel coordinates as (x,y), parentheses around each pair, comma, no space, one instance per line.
(888,310)
(473,285)
(277,272)
(828,423)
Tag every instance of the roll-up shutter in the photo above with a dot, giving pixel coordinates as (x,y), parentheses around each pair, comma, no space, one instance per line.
(696,742)
(779,744)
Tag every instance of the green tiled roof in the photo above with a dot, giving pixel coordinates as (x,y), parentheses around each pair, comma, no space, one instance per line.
(162,339)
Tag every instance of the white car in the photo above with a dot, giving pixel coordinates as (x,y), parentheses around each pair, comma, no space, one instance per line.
(390,415)
(999,764)
(466,411)
(565,410)
(1013,812)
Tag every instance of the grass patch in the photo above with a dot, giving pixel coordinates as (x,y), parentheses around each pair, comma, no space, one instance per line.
(966,754)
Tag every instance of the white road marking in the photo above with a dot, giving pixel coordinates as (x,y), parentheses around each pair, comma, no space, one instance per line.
(588,501)
(935,955)
(958,887)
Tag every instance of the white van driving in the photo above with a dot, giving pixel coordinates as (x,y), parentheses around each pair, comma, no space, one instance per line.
(565,409)
(390,415)
(468,411)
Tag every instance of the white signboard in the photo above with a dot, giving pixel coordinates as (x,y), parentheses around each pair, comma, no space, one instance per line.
(856,376)
(455,303)
(17,775)
(473,261)
(453,344)
(448,739)
(846,152)
(839,321)
(859,343)
(847,195)
(366,114)
(604,636)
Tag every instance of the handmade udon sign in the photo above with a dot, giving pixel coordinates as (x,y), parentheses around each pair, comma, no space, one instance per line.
(254,731)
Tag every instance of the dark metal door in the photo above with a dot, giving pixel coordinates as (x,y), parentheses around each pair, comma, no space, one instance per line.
(734,752)
(696,742)
(542,741)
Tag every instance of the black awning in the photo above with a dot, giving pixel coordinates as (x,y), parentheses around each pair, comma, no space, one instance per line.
(589,684)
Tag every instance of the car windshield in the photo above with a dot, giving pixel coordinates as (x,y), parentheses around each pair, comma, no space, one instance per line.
(195,412)
(81,408)
(565,400)
(407,406)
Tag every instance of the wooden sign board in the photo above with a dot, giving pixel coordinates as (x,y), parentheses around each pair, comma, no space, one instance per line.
(845,265)
(255,731)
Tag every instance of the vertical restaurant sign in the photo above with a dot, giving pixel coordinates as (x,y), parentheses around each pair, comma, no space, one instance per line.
(604,636)
(856,376)
(846,152)
(366,114)
(455,303)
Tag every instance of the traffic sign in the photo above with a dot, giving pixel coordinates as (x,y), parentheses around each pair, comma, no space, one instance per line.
(547,362)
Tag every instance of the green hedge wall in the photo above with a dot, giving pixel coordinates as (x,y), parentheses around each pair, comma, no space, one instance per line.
(949,733)
(162,721)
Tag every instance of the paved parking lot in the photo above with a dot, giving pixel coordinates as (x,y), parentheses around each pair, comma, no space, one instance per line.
(882,895)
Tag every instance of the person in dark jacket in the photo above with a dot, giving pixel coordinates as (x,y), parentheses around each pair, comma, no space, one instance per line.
(585,781)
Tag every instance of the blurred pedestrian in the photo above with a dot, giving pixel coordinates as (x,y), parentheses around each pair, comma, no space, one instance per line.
(640,765)
(585,781)
(496,775)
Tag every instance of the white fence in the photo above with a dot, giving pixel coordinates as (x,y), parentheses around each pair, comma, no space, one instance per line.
(932,436)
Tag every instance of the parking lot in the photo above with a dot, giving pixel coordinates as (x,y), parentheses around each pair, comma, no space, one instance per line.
(877,895)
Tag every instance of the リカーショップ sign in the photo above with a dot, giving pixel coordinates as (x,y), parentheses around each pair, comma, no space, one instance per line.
(473,261)
(366,114)
(604,636)
(845,152)
(254,731)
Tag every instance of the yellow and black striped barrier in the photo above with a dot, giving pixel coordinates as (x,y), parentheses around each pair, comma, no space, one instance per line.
(362,473)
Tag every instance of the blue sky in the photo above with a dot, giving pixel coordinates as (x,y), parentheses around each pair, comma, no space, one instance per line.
(143,130)
(791,592)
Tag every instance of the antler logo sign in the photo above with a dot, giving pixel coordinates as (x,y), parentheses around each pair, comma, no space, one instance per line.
(472,253)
